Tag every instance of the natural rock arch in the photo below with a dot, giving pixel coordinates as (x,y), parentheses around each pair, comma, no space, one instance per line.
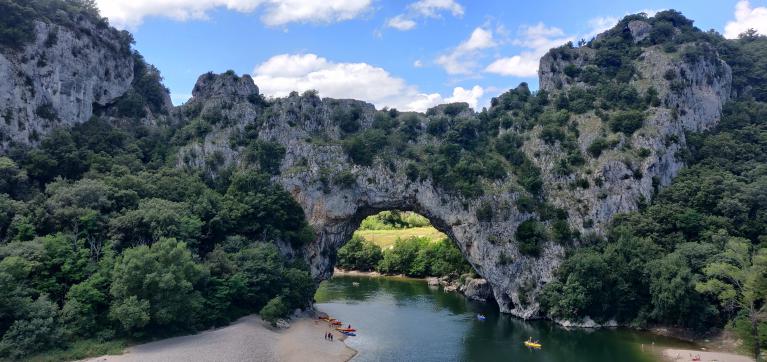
(336,192)
(336,215)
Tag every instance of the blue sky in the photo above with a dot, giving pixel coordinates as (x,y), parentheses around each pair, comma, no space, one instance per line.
(409,54)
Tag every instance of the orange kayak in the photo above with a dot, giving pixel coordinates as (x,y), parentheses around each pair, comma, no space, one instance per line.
(336,323)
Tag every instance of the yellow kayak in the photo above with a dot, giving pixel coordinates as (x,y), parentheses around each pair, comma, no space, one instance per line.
(532,344)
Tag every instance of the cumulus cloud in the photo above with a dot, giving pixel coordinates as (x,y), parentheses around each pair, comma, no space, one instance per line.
(462,59)
(746,17)
(424,8)
(130,14)
(400,22)
(433,8)
(282,74)
(536,40)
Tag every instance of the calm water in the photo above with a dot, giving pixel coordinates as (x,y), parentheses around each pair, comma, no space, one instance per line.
(406,320)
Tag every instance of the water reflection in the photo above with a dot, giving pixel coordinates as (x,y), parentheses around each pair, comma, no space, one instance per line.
(406,320)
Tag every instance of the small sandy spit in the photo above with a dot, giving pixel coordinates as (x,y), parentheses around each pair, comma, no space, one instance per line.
(675,354)
(248,339)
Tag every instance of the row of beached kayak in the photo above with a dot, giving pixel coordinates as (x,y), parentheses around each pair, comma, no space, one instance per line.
(349,331)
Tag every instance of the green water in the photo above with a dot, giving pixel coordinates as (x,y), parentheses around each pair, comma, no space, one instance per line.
(406,320)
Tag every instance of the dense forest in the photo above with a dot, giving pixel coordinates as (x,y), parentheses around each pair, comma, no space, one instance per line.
(103,237)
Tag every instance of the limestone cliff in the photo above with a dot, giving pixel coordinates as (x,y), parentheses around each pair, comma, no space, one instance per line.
(56,79)
(691,94)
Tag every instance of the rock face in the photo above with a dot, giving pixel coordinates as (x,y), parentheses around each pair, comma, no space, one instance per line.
(691,96)
(478,289)
(304,125)
(58,78)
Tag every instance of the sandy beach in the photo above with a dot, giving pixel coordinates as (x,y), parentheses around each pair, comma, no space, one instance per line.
(674,354)
(248,339)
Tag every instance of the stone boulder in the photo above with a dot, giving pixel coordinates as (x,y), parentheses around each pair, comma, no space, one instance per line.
(478,289)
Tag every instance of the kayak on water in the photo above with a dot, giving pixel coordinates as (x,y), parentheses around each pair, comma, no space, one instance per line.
(480,317)
(346,329)
(349,334)
(533,345)
(336,323)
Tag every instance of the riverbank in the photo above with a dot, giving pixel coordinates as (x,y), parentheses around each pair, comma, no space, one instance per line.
(721,346)
(248,339)
(675,354)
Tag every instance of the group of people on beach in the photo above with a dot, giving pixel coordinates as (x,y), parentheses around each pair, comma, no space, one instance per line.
(329,336)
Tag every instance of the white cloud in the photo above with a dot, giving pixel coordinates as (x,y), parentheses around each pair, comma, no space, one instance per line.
(424,8)
(131,13)
(522,65)
(432,8)
(462,59)
(536,40)
(282,74)
(599,25)
(400,22)
(746,17)
(470,96)
(418,63)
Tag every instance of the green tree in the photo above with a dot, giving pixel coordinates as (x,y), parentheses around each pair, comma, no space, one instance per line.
(274,310)
(39,329)
(155,219)
(162,281)
(359,254)
(738,278)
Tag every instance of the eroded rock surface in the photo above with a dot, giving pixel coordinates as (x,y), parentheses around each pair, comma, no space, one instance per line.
(58,78)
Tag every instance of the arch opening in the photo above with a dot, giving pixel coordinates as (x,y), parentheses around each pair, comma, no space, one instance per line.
(404,242)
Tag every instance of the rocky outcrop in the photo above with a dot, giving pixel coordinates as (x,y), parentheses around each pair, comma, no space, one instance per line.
(58,78)
(477,289)
(691,94)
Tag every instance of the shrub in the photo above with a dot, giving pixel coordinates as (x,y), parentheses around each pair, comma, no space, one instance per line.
(345,179)
(485,212)
(383,120)
(627,122)
(274,310)
(437,126)
(363,147)
(530,234)
(268,155)
(38,330)
(348,121)
(582,183)
(454,109)
(595,148)
(551,134)
(46,111)
(359,254)
(572,71)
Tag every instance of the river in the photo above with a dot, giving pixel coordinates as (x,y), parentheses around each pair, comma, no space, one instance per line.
(402,319)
